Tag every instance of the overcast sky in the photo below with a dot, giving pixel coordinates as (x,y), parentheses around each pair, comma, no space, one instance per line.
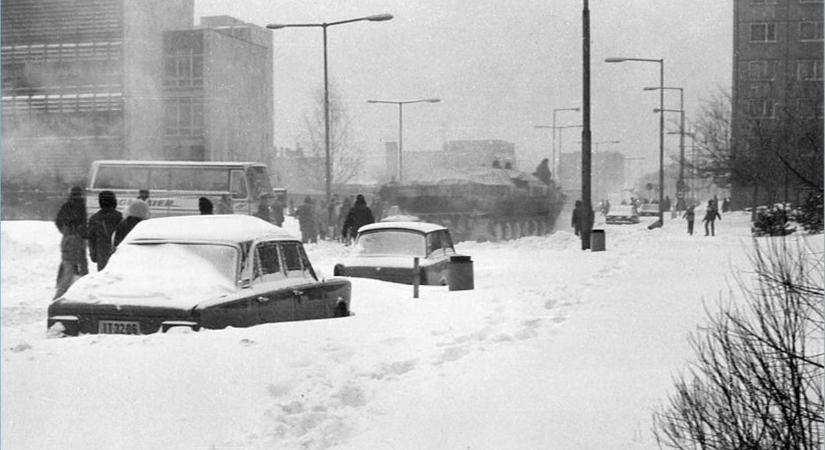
(499,68)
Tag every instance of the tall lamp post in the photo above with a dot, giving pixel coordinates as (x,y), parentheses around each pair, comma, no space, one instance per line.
(661,127)
(324,26)
(554,131)
(680,182)
(400,126)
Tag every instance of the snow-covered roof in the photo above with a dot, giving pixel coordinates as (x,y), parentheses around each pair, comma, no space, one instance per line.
(229,228)
(423,227)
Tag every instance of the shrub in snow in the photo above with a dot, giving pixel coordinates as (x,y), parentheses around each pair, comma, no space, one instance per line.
(757,379)
(809,214)
(772,222)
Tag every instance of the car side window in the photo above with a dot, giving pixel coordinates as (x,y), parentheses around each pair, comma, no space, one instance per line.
(296,262)
(434,244)
(267,262)
(447,242)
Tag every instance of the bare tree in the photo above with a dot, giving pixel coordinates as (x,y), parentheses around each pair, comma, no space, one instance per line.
(757,380)
(345,158)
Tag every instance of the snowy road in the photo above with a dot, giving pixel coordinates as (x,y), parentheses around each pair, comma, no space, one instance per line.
(554,348)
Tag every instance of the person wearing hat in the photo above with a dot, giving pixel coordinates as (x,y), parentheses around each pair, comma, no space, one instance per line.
(205,206)
(359,215)
(306,221)
(71,221)
(102,225)
(138,210)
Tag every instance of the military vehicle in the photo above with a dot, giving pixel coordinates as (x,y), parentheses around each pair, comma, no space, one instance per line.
(480,204)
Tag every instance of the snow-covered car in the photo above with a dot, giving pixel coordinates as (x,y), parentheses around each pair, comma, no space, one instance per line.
(622,214)
(385,251)
(199,272)
(649,209)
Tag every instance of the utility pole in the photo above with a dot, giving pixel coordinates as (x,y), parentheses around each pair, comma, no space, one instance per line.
(587,218)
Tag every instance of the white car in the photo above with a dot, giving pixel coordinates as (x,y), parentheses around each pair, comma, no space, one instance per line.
(622,214)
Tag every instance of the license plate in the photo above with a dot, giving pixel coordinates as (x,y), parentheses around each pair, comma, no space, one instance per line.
(118,327)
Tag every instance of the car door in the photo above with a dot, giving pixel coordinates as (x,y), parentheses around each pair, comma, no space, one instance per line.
(310,299)
(270,287)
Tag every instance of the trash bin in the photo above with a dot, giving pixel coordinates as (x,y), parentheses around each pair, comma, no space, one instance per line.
(596,240)
(460,272)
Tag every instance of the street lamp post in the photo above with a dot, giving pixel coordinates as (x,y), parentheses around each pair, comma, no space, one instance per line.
(555,167)
(661,126)
(680,182)
(324,26)
(400,128)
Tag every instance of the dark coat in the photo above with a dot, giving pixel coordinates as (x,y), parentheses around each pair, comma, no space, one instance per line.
(102,226)
(306,217)
(711,214)
(124,227)
(71,221)
(358,216)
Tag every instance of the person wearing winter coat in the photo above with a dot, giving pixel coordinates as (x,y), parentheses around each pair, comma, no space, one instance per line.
(306,221)
(358,216)
(278,211)
(101,227)
(205,206)
(690,215)
(710,217)
(71,221)
(343,211)
(138,210)
(575,221)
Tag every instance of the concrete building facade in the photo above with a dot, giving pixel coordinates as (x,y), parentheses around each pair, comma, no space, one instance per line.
(117,79)
(82,80)
(776,93)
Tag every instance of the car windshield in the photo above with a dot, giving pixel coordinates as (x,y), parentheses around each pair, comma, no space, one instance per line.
(391,242)
(184,263)
(621,210)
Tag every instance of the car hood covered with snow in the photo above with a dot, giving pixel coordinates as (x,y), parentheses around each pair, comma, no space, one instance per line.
(168,276)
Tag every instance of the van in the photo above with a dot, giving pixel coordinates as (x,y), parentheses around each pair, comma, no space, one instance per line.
(175,186)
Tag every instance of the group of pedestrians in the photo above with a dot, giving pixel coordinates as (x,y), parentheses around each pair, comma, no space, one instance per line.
(711,214)
(338,220)
(103,231)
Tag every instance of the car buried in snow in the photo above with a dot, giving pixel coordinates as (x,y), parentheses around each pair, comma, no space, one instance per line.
(386,251)
(199,272)
(649,209)
(622,214)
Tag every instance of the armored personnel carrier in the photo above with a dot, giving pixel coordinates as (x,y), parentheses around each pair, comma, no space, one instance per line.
(481,204)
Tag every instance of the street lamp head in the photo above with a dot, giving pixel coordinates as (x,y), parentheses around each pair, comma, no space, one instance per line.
(615,60)
(275,26)
(379,17)
(432,100)
(650,88)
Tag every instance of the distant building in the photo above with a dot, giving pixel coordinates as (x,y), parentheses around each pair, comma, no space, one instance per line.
(454,154)
(218,91)
(777,83)
(118,79)
(607,174)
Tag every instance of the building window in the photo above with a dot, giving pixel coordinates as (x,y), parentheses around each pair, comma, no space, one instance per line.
(759,89)
(810,1)
(810,31)
(809,70)
(183,68)
(809,108)
(184,117)
(762,69)
(761,108)
(763,2)
(763,32)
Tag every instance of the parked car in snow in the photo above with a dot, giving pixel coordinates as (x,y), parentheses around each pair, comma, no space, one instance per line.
(649,209)
(622,214)
(385,251)
(199,272)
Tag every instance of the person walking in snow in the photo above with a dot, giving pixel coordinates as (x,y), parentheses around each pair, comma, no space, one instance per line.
(306,221)
(138,210)
(101,227)
(690,215)
(205,206)
(359,215)
(575,221)
(71,221)
(711,214)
